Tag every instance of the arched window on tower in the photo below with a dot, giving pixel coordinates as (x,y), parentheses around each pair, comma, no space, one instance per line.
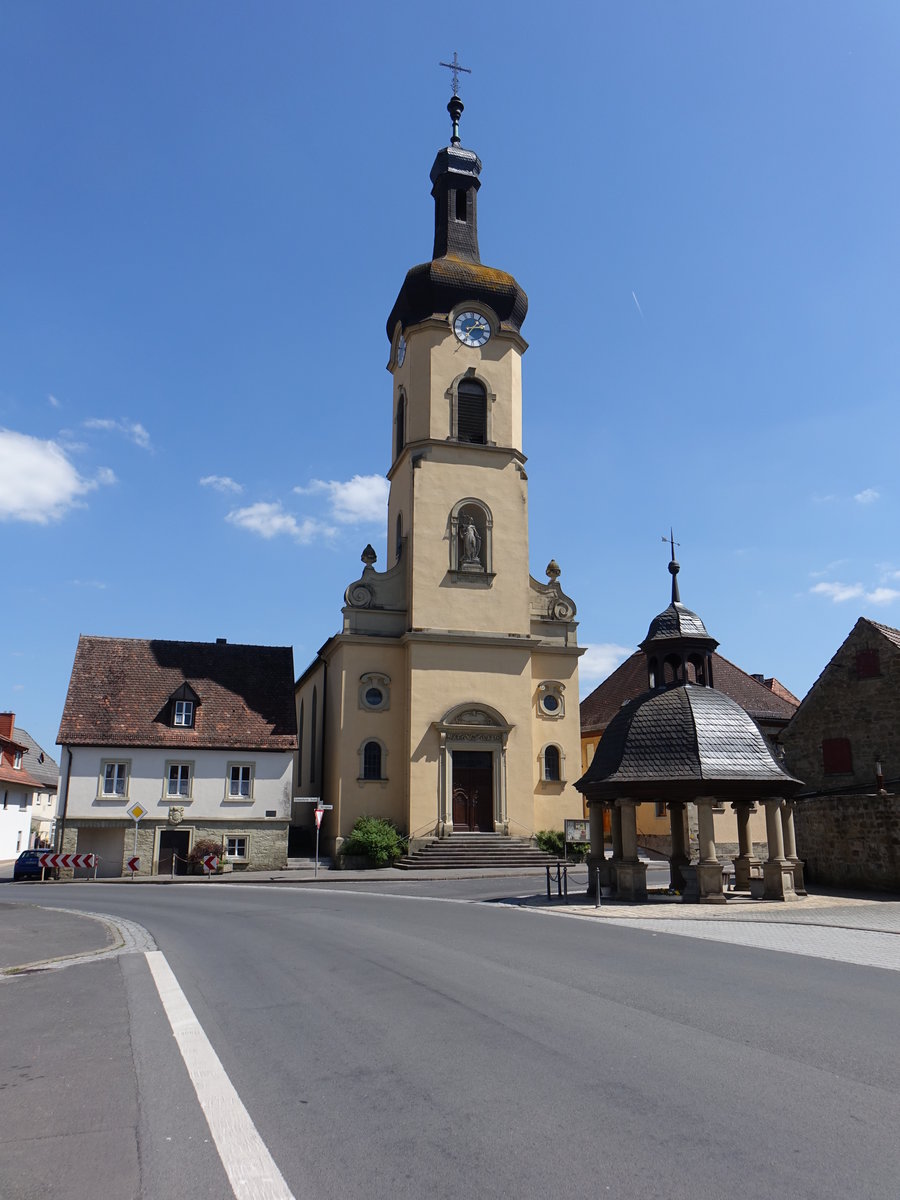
(551,763)
(401,425)
(471,412)
(399,541)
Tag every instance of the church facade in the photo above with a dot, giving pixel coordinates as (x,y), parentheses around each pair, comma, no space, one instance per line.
(449,699)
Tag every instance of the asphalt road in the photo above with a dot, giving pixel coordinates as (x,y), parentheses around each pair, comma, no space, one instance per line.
(405,1046)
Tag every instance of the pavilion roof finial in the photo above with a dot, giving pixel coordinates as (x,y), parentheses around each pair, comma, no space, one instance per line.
(455,107)
(674,566)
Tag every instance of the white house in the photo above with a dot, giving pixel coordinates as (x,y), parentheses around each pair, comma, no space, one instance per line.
(17,787)
(195,739)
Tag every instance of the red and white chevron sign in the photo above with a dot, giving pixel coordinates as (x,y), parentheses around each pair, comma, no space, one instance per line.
(133,864)
(54,861)
(211,862)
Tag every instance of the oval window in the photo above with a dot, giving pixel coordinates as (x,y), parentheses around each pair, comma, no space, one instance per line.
(551,703)
(374,697)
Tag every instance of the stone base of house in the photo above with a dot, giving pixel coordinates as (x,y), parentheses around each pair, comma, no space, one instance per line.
(850,841)
(114,843)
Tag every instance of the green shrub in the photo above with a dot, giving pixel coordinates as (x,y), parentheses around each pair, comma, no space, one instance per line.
(552,841)
(375,838)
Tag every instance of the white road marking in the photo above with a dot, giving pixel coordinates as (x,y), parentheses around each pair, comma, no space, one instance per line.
(250,1167)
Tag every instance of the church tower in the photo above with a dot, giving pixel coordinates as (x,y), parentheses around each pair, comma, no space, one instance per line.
(449,700)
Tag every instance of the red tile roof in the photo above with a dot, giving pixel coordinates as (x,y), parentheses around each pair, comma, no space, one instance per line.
(120,689)
(630,680)
(20,779)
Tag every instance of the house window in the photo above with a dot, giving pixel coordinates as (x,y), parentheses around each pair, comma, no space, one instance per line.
(659,808)
(184,713)
(236,848)
(178,779)
(868,665)
(552,771)
(17,761)
(240,781)
(836,756)
(114,779)
(371,760)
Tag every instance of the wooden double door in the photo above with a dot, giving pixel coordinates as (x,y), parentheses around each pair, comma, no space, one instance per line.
(473,790)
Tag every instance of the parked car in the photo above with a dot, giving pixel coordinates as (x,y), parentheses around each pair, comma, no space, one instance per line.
(28,865)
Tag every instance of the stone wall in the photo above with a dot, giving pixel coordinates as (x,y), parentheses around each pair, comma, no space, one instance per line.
(268,842)
(850,841)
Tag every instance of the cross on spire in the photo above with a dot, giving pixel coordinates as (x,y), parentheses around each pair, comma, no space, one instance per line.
(456,67)
(674,568)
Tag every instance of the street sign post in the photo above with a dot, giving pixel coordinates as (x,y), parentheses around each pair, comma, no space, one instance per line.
(136,812)
(320,809)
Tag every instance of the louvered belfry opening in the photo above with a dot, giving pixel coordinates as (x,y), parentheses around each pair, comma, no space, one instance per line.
(471,412)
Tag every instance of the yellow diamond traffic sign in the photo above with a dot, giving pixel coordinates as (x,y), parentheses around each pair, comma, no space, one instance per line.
(137,811)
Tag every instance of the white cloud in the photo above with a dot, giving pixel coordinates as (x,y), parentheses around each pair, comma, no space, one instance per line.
(89,583)
(601,659)
(867,496)
(839,592)
(882,595)
(133,430)
(360,500)
(54,403)
(221,483)
(38,483)
(832,566)
(271,520)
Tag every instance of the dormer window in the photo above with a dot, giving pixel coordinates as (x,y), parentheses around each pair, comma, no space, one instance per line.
(17,761)
(183,705)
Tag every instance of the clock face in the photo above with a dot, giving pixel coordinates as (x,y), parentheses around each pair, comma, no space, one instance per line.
(472,328)
(401,350)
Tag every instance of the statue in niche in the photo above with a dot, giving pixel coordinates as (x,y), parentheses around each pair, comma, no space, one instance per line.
(471,543)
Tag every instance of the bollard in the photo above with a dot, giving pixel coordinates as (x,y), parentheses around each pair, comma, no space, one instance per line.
(596,887)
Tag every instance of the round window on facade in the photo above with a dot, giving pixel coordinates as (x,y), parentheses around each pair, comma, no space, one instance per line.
(550,699)
(374,691)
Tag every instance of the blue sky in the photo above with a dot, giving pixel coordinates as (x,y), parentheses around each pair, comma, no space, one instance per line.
(203,202)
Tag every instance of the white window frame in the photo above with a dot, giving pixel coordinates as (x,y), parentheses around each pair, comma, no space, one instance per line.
(17,761)
(232,855)
(186,714)
(238,797)
(181,765)
(115,794)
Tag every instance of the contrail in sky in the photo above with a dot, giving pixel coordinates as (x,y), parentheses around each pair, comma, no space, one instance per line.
(637,302)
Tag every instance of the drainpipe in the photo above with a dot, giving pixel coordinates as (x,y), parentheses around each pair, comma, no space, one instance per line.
(61,826)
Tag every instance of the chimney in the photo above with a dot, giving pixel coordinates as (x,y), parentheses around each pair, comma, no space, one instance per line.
(221,641)
(7,720)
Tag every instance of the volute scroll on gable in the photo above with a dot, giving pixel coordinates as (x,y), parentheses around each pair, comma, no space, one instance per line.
(378,601)
(548,602)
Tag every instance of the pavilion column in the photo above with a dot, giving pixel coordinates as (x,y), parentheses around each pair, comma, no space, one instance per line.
(790,846)
(631,873)
(746,866)
(678,859)
(778,873)
(597,859)
(709,870)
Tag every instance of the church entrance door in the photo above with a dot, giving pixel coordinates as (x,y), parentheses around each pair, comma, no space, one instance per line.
(473,790)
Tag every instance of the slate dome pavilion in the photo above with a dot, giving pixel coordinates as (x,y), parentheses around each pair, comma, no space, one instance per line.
(682,742)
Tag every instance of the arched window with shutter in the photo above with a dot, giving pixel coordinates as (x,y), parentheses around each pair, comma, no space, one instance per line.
(471,412)
(401,425)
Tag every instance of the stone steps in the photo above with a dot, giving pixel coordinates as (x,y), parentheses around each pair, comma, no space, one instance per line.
(475,851)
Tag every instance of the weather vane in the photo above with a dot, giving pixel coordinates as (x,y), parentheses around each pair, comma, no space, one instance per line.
(456,67)
(672,543)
